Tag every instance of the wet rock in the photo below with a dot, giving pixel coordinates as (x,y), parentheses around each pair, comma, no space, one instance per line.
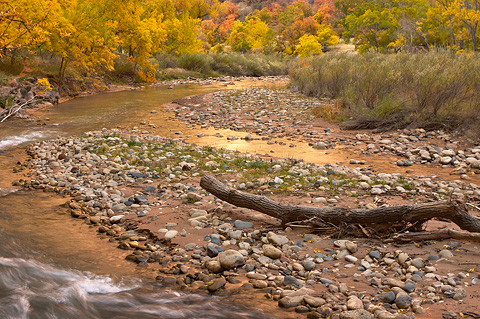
(216,284)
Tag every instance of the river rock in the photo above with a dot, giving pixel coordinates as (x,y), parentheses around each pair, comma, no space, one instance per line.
(170,234)
(214,266)
(356,314)
(119,207)
(241,224)
(277,239)
(314,301)
(388,297)
(290,301)
(445,253)
(216,284)
(272,252)
(291,281)
(231,259)
(460,293)
(259,284)
(445,160)
(403,300)
(354,302)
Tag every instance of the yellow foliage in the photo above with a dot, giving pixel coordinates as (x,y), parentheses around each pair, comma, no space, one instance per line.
(45,83)
(308,45)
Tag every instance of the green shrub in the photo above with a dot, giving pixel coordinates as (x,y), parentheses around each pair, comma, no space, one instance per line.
(196,62)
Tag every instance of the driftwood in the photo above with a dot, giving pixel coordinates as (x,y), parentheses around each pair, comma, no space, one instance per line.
(436,235)
(386,220)
(14,109)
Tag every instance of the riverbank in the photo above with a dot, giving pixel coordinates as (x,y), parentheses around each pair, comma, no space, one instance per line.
(142,192)
(34,97)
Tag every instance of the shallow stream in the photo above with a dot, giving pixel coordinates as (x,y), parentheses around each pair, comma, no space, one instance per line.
(51,266)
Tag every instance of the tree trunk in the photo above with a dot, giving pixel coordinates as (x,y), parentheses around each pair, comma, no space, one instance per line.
(385,219)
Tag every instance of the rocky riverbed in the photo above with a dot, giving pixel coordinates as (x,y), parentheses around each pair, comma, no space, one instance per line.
(142,192)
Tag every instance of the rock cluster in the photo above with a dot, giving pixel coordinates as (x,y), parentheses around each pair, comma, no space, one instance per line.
(280,114)
(30,93)
(308,273)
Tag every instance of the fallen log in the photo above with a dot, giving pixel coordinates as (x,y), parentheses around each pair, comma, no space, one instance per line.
(386,220)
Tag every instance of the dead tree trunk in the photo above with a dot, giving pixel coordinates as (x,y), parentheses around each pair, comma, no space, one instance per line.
(389,219)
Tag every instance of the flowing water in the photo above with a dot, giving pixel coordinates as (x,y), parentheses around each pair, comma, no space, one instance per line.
(51,266)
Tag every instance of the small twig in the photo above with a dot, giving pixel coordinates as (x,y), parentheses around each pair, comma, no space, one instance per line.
(297,226)
(470,263)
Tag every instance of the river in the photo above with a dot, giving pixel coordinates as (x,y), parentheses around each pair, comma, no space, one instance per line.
(51,266)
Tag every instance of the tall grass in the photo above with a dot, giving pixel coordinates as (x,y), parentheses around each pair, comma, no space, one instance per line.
(400,89)
(218,64)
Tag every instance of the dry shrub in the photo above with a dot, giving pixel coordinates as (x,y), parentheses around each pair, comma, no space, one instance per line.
(437,87)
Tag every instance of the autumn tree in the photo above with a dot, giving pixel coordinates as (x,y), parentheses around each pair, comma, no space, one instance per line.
(253,35)
(372,26)
(23,23)
(81,34)
(308,45)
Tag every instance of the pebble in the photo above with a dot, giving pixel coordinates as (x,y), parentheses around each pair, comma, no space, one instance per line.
(277,239)
(388,297)
(353,302)
(290,301)
(374,254)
